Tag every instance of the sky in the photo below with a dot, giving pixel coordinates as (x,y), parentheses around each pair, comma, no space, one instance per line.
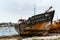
(12,10)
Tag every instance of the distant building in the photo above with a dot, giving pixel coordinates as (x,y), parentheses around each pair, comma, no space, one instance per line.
(7,24)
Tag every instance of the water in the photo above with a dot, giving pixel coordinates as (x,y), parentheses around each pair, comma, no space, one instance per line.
(7,31)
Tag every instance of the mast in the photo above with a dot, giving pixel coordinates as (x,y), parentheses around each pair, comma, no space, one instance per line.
(57,16)
(34,9)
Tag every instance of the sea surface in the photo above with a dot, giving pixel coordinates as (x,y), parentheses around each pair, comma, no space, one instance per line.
(7,31)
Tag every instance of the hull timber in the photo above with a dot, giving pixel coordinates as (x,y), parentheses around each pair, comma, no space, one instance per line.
(38,29)
(55,27)
(36,25)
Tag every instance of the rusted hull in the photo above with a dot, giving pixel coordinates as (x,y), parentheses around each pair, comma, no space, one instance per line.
(36,25)
(34,33)
(55,27)
(38,29)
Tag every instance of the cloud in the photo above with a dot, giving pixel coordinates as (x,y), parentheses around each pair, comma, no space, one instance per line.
(12,10)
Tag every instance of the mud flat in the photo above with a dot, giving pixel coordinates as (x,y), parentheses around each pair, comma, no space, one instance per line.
(14,37)
(43,38)
(32,38)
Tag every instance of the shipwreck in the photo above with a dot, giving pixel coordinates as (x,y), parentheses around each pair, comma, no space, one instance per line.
(37,25)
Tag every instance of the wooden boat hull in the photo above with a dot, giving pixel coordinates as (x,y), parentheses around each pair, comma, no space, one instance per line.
(36,25)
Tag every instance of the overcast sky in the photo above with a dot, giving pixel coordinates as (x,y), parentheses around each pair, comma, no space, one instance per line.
(12,10)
